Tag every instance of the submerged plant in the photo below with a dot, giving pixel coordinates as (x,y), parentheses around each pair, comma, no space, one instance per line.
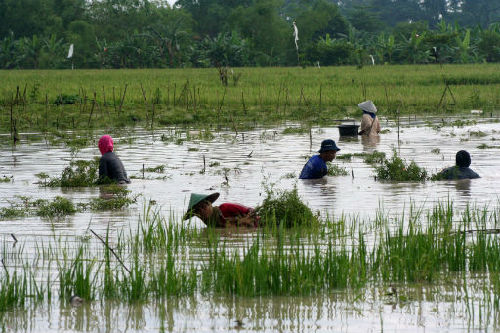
(287,209)
(397,169)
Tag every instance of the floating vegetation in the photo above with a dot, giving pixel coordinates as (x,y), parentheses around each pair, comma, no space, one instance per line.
(156,169)
(12,212)
(335,170)
(397,169)
(478,133)
(385,131)
(295,130)
(436,151)
(373,158)
(214,164)
(5,179)
(289,175)
(193,149)
(285,208)
(485,146)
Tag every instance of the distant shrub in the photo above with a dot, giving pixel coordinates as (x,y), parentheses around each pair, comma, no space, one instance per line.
(66,99)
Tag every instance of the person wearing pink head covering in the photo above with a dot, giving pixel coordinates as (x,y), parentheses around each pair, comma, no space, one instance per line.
(110,166)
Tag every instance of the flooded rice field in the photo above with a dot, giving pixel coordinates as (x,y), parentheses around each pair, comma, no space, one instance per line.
(167,165)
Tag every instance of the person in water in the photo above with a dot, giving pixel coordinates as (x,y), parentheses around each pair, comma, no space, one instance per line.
(225,215)
(461,170)
(110,166)
(369,123)
(316,166)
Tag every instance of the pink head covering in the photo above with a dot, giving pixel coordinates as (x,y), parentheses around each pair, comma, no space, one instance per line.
(105,144)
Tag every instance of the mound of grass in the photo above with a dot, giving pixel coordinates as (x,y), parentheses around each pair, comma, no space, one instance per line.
(287,209)
(397,169)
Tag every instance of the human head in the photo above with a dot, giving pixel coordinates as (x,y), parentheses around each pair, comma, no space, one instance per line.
(368,106)
(198,204)
(328,150)
(463,159)
(105,144)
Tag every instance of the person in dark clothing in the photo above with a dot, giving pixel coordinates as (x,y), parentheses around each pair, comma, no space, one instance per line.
(316,166)
(110,166)
(225,215)
(461,170)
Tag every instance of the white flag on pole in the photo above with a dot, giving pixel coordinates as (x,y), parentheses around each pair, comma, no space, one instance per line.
(296,35)
(70,51)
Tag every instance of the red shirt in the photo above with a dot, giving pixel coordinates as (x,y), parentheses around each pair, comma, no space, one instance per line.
(229,210)
(233,210)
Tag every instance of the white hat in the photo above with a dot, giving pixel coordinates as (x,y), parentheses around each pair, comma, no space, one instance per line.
(368,106)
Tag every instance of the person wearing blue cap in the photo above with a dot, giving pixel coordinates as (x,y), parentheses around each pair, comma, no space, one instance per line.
(461,169)
(316,166)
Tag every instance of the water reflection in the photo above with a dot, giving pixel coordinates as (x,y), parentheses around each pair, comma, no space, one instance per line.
(370,142)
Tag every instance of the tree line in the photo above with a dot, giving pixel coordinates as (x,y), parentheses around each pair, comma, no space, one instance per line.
(36,34)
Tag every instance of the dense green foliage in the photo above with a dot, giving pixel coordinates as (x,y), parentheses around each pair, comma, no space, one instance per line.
(152,33)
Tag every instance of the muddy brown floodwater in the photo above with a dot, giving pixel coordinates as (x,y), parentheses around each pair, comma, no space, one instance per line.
(239,167)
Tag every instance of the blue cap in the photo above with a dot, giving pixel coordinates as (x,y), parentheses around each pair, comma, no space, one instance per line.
(327,145)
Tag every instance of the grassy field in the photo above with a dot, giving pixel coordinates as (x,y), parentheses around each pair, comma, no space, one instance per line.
(82,99)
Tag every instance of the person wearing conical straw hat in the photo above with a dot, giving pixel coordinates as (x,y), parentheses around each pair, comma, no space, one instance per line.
(225,215)
(369,123)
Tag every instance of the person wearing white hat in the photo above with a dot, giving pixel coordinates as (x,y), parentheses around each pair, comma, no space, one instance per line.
(369,123)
